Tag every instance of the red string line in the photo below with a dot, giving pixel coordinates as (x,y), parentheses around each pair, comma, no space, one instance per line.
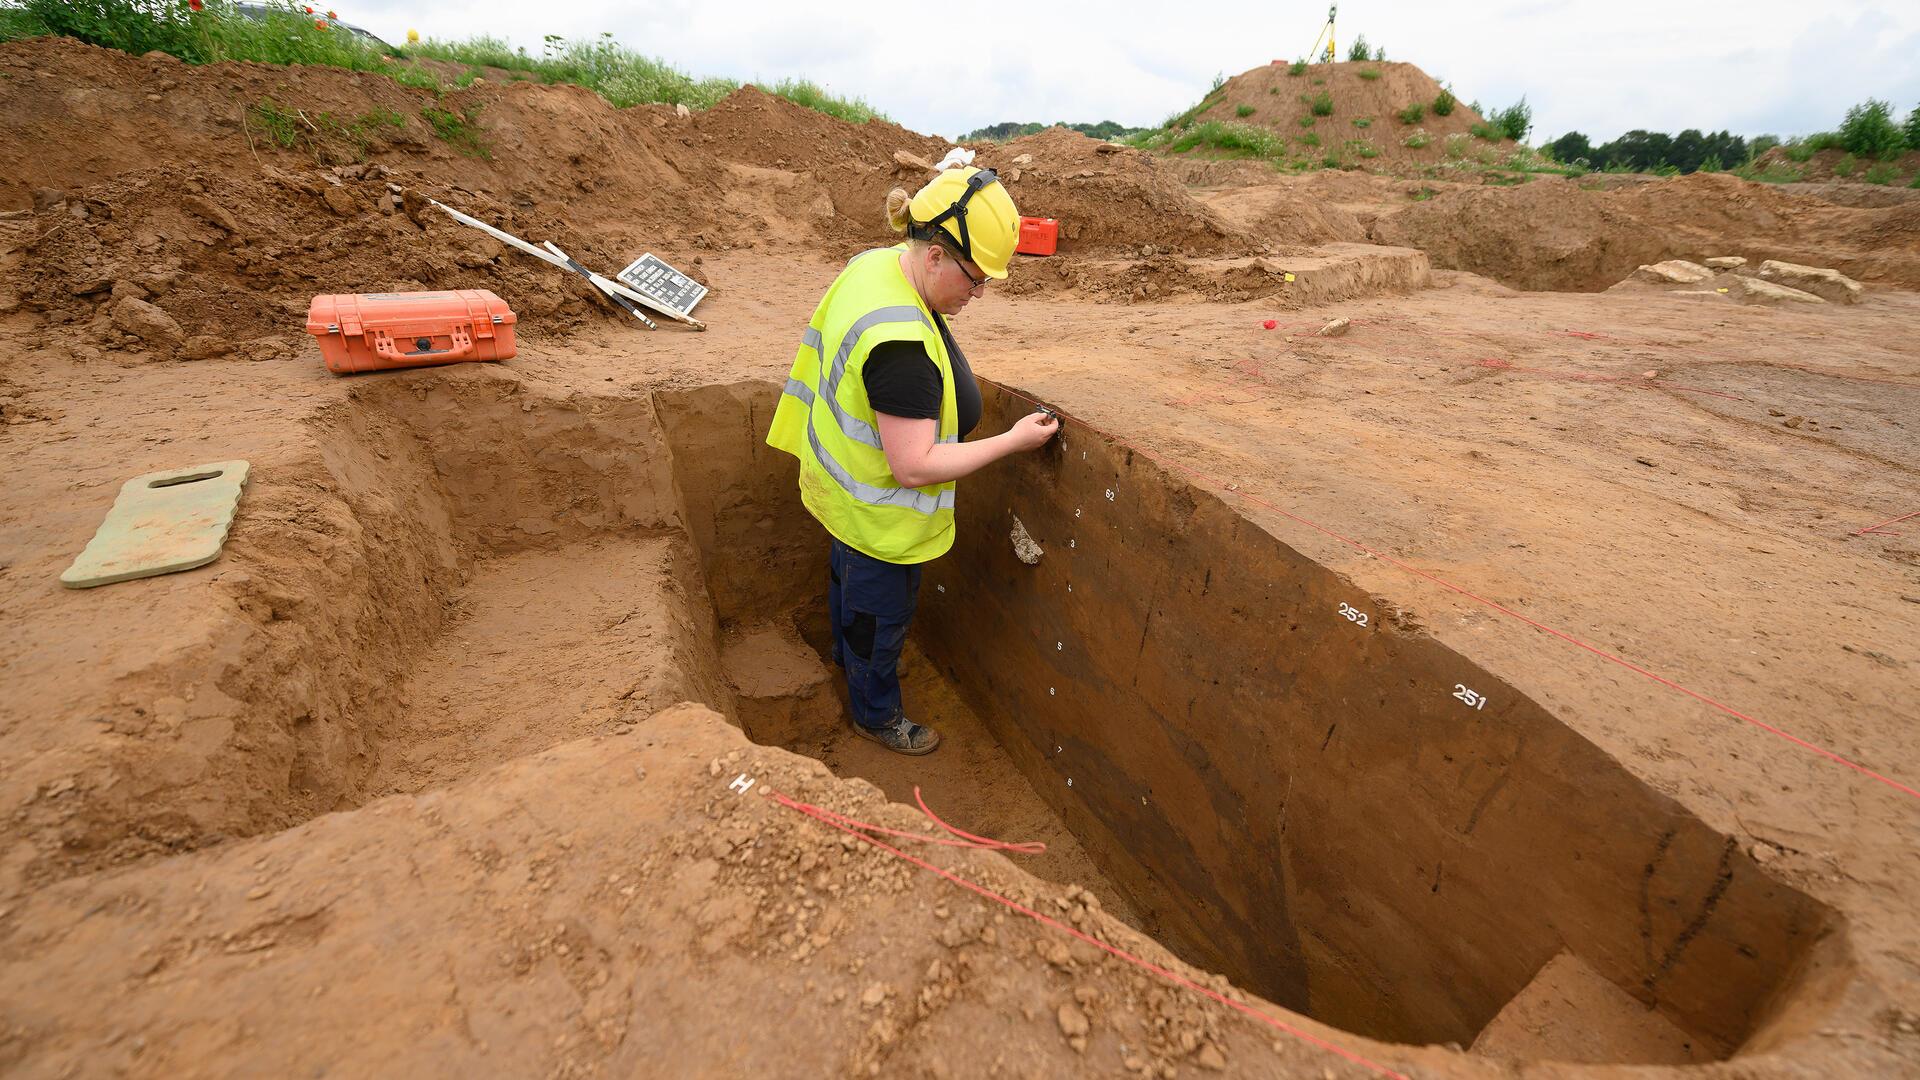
(1031,847)
(1492,604)
(966,839)
(829,817)
(1882,529)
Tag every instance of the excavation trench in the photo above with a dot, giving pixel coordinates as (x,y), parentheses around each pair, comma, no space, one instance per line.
(1243,754)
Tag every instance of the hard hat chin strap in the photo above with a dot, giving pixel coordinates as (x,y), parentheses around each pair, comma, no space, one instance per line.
(931,230)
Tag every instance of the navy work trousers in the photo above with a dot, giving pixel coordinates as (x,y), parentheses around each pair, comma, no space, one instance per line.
(871,602)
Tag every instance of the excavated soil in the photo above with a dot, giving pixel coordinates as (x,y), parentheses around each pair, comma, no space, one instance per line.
(1417,690)
(1364,116)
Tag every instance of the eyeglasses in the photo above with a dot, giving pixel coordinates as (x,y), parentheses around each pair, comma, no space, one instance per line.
(973,284)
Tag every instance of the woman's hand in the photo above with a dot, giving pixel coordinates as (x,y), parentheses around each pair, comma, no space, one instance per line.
(1032,431)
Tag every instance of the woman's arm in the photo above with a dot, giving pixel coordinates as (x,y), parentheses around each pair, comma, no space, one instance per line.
(917,460)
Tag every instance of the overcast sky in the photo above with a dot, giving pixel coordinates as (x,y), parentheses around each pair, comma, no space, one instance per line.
(1600,68)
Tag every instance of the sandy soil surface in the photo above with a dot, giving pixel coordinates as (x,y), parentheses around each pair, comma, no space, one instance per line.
(388,787)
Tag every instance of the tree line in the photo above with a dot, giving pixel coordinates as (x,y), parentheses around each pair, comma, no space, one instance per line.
(1869,130)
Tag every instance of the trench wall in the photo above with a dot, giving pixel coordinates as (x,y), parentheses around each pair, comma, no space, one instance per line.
(1315,807)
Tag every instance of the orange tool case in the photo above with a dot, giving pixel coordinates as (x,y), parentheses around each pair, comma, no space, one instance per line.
(1038,236)
(377,331)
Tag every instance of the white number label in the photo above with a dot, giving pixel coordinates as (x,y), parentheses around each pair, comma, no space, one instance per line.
(1353,614)
(1473,700)
(1109,494)
(1076,511)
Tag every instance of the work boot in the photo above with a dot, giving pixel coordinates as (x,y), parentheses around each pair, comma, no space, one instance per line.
(903,736)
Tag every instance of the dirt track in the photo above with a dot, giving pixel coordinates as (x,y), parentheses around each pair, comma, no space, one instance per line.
(437,576)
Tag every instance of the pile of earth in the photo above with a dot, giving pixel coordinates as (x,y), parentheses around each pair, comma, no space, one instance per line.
(1364,127)
(194,263)
(1108,199)
(1553,234)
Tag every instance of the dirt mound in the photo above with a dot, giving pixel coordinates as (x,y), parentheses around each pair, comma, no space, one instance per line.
(234,261)
(1554,234)
(1364,127)
(754,127)
(1544,235)
(1107,198)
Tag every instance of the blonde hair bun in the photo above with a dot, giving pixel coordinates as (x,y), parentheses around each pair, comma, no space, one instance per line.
(897,203)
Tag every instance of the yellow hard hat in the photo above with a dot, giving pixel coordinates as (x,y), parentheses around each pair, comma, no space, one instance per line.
(984,230)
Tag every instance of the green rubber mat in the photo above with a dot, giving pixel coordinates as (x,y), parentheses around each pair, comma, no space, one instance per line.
(162,522)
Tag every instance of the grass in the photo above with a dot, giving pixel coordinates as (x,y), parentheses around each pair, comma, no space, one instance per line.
(460,129)
(1370,74)
(1298,67)
(1418,140)
(1362,148)
(1883,173)
(1310,139)
(1243,111)
(288,34)
(326,137)
(1443,104)
(1306,121)
(1845,166)
(1412,114)
(1363,121)
(1487,131)
(1233,140)
(813,96)
(1424,194)
(1322,104)
(1774,173)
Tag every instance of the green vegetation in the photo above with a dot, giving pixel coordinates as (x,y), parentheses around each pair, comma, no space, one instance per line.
(1322,104)
(1773,174)
(1310,139)
(1881,173)
(1488,131)
(1912,129)
(461,129)
(1362,148)
(1299,67)
(1514,121)
(1444,103)
(1369,74)
(1869,130)
(1002,132)
(1357,48)
(1243,111)
(811,95)
(1845,166)
(1363,121)
(329,139)
(1236,140)
(290,34)
(1307,120)
(1416,141)
(1413,113)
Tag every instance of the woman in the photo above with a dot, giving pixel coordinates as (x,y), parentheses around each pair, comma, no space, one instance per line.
(878,401)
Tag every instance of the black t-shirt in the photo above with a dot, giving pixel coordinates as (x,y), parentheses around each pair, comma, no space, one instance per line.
(902,380)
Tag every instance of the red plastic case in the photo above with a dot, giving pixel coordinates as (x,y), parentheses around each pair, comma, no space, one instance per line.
(379,331)
(1038,236)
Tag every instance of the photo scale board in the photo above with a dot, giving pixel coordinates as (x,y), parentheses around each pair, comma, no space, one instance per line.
(650,275)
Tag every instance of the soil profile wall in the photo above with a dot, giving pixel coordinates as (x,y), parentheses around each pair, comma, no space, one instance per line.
(1307,794)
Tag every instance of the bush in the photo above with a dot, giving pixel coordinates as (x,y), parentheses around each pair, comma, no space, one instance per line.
(1310,139)
(1869,130)
(1417,140)
(1515,120)
(1912,129)
(1370,74)
(1712,164)
(1306,121)
(1845,166)
(1243,111)
(1357,49)
(1443,105)
(1299,67)
(1363,121)
(1882,173)
(1362,149)
(1413,114)
(1322,104)
(1825,140)
(1488,131)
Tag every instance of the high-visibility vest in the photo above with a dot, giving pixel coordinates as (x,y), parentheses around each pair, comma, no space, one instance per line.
(825,420)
